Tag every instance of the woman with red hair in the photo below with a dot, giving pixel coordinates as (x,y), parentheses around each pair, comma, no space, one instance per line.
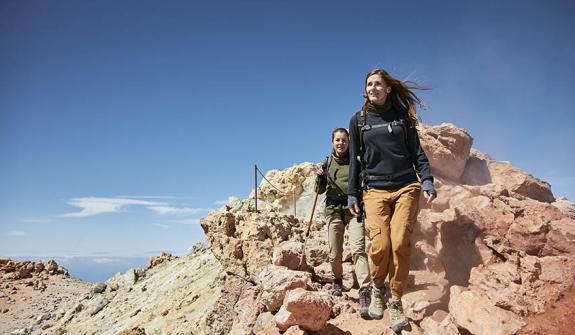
(388,171)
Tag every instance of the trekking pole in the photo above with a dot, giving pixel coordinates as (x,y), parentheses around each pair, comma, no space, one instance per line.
(256,185)
(308,228)
(312,211)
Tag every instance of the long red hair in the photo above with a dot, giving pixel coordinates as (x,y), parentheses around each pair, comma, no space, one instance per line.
(401,95)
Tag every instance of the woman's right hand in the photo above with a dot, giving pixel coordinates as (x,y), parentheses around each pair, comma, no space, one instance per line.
(320,170)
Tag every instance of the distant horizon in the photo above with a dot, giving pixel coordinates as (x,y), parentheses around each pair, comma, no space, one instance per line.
(93,268)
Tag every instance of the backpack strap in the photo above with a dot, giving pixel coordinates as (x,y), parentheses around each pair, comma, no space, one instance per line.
(360,117)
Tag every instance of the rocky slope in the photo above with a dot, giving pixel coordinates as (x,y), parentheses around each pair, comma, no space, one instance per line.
(494,254)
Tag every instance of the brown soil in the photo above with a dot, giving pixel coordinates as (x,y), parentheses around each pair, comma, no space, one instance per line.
(21,306)
(558,319)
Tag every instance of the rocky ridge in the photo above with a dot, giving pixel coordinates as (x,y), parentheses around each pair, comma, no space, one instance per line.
(495,243)
(494,254)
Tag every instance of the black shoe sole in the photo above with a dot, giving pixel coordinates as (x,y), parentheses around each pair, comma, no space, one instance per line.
(375,317)
(398,327)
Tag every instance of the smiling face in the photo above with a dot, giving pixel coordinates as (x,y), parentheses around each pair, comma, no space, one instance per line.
(376,90)
(340,143)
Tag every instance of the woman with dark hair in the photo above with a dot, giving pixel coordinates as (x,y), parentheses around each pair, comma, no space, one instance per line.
(332,178)
(388,170)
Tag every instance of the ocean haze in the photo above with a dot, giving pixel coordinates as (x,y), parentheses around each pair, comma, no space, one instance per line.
(92,269)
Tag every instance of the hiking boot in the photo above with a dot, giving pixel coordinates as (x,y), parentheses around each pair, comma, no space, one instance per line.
(396,316)
(336,288)
(376,306)
(364,301)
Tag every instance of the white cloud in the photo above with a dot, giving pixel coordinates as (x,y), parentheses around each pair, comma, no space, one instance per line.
(105,260)
(94,206)
(35,220)
(147,196)
(16,233)
(168,210)
(186,221)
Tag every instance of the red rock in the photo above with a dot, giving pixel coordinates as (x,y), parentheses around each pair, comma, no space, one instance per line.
(447,148)
(23,273)
(133,331)
(52,266)
(520,182)
(288,254)
(561,236)
(532,224)
(479,316)
(306,309)
(476,169)
(245,318)
(163,257)
(276,281)
(38,267)
(445,326)
(265,325)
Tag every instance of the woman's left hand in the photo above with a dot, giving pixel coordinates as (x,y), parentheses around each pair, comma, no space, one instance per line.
(429,191)
(429,197)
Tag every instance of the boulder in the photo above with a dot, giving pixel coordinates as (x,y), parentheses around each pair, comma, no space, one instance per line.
(533,221)
(316,249)
(256,255)
(276,281)
(440,323)
(99,288)
(522,183)
(288,254)
(245,318)
(309,310)
(97,305)
(561,236)
(476,170)
(38,267)
(479,316)
(163,257)
(130,277)
(265,325)
(447,148)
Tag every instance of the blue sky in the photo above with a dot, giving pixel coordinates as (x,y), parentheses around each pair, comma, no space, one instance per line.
(123,122)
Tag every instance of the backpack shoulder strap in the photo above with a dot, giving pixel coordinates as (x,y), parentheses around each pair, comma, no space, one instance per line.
(360,117)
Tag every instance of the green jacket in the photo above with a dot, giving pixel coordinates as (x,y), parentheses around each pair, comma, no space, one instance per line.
(334,183)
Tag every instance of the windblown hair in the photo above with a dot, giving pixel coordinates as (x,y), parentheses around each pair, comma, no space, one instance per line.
(401,95)
(339,130)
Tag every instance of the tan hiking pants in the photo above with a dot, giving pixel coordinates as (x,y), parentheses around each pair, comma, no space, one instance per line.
(390,217)
(356,234)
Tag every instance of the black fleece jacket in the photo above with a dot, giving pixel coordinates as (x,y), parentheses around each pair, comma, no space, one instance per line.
(386,153)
